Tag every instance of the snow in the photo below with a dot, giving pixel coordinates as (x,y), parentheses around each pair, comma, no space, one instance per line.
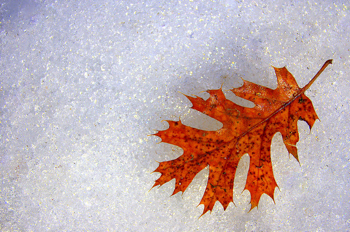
(83,84)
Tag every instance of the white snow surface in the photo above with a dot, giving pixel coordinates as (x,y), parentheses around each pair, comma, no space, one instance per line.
(84,84)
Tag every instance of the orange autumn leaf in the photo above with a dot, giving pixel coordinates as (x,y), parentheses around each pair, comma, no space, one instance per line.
(245,130)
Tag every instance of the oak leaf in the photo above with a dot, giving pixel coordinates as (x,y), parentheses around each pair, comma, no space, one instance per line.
(245,130)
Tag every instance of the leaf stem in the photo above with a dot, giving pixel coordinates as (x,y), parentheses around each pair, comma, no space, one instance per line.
(328,62)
